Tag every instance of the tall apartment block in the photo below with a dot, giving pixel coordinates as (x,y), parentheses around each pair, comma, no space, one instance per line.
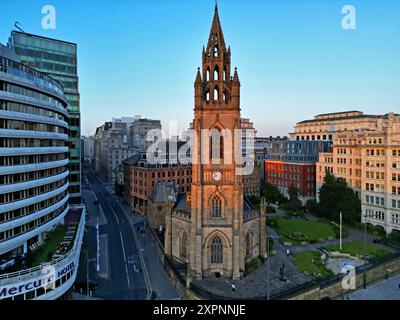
(57,59)
(369,159)
(34,208)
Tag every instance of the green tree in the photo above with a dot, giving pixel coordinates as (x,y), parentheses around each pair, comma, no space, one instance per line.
(272,194)
(336,197)
(294,201)
(311,206)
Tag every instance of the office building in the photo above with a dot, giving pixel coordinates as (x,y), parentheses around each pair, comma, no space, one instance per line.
(57,59)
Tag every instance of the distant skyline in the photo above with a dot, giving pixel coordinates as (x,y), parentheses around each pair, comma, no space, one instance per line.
(294,59)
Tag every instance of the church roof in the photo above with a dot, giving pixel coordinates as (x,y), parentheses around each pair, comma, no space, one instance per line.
(162,191)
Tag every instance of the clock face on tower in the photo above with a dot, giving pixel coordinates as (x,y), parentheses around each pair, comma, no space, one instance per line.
(216,175)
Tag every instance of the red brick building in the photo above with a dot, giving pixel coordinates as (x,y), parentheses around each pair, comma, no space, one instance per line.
(283,174)
(139,178)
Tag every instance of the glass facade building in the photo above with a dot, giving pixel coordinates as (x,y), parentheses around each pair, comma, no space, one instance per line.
(57,59)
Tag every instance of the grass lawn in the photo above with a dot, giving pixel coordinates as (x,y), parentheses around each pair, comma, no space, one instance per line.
(356,248)
(51,244)
(311,230)
(310,262)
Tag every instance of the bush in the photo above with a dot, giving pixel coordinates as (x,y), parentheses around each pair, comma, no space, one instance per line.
(297,236)
(270,209)
(395,236)
(252,265)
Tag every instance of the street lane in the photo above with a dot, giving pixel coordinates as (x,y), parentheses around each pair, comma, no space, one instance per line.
(125,279)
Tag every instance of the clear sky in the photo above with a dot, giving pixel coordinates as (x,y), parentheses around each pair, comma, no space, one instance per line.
(294,58)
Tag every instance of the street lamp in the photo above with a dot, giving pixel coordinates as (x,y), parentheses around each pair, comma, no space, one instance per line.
(87,275)
(268,265)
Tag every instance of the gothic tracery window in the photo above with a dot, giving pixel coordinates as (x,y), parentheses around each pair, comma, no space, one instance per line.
(216,205)
(217,250)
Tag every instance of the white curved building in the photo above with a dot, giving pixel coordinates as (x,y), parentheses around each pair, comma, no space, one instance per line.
(33,178)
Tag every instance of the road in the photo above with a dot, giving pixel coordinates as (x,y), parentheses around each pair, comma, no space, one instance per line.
(125,277)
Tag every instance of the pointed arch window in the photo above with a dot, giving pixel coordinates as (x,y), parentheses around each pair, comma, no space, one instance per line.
(215,51)
(217,251)
(249,244)
(216,205)
(216,93)
(216,146)
(207,94)
(183,245)
(224,74)
(216,73)
(208,74)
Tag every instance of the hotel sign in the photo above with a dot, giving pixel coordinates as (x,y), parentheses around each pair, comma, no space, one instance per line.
(45,278)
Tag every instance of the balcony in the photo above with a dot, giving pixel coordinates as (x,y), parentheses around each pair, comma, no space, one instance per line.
(13,97)
(34,199)
(32,167)
(14,115)
(21,151)
(32,134)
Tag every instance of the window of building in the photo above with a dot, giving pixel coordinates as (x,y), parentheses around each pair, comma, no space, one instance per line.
(216,250)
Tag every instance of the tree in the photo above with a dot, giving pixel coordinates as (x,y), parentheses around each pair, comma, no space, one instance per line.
(272,194)
(336,197)
(295,203)
(311,206)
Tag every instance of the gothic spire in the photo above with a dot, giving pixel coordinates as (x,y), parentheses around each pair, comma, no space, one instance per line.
(216,36)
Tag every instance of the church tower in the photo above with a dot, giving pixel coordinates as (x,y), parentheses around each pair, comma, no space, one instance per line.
(216,242)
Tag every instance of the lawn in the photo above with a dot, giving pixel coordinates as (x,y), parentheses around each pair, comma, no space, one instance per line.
(297,230)
(356,248)
(310,262)
(51,244)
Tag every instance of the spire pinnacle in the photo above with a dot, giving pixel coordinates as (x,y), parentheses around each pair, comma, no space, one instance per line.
(216,35)
(198,76)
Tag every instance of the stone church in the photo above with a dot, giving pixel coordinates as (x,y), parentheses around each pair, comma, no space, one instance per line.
(214,229)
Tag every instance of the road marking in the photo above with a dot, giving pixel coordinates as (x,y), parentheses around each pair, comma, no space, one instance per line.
(115,215)
(127,276)
(123,247)
(126,267)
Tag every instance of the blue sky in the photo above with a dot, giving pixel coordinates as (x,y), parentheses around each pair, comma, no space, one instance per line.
(293,57)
